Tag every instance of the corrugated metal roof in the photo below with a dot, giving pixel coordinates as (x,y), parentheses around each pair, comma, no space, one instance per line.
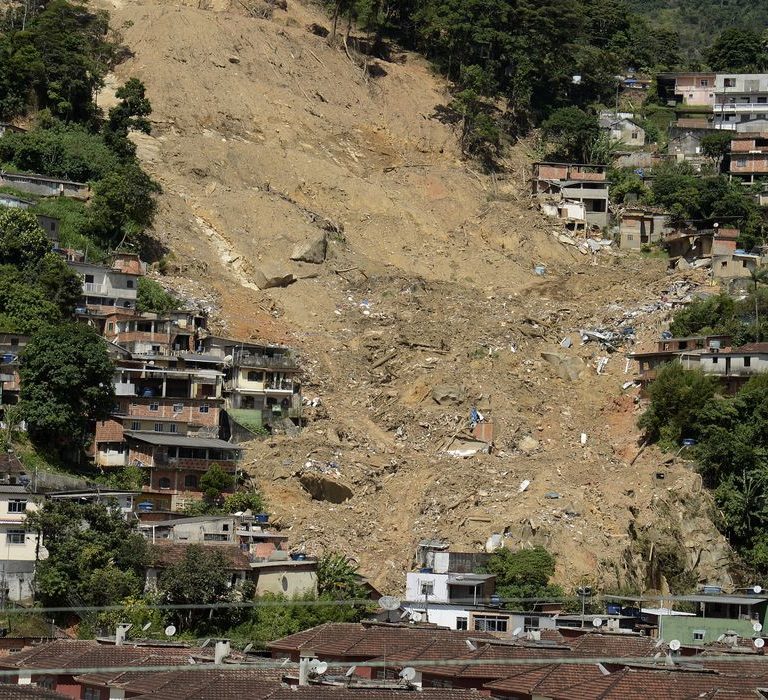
(180,440)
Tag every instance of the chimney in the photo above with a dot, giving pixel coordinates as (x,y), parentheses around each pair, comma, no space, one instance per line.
(304,659)
(121,632)
(221,651)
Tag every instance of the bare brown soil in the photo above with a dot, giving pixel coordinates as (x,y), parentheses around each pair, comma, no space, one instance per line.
(262,135)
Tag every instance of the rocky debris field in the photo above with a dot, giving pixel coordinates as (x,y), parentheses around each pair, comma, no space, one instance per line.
(307,202)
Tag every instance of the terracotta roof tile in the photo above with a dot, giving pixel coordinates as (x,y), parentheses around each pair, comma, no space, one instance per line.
(326,691)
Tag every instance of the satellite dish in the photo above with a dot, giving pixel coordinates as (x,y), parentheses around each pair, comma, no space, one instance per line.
(146,627)
(471,644)
(318,667)
(657,655)
(674,645)
(389,602)
(757,627)
(721,638)
(408,673)
(248,647)
(191,660)
(597,622)
(350,671)
(757,589)
(517,631)
(205,643)
(416,617)
(759,643)
(170,631)
(658,644)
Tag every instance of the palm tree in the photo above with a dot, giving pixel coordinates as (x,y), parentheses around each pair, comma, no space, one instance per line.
(758,276)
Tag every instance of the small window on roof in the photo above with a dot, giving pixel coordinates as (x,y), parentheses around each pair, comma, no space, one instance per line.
(747,361)
(698,635)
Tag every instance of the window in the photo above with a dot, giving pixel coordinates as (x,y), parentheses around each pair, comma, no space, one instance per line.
(190,481)
(110,326)
(178,407)
(730,82)
(254,376)
(698,635)
(159,427)
(165,482)
(462,623)
(743,263)
(89,279)
(427,588)
(489,623)
(204,408)
(703,83)
(135,425)
(225,527)
(155,349)
(531,623)
(92,694)
(715,360)
(635,135)
(16,536)
(741,162)
(129,284)
(154,406)
(214,537)
(173,428)
(17,505)
(747,361)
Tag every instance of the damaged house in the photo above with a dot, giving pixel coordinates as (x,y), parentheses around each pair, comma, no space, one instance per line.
(576,193)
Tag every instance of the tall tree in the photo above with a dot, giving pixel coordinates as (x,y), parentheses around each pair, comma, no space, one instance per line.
(737,51)
(66,382)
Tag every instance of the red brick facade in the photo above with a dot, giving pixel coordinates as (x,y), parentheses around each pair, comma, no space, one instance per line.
(139,407)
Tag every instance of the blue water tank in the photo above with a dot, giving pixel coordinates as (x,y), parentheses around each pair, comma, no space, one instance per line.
(689,442)
(262,518)
(145,506)
(425,570)
(8,357)
(298,556)
(148,392)
(613,608)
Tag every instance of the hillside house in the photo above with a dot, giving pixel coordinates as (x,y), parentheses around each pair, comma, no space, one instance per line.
(44,185)
(741,102)
(641,226)
(622,127)
(175,464)
(689,244)
(49,224)
(109,289)
(120,500)
(573,182)
(11,345)
(671,349)
(749,157)
(725,240)
(689,89)
(262,384)
(737,264)
(174,333)
(18,545)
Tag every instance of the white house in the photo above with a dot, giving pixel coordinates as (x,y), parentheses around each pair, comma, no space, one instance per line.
(18,546)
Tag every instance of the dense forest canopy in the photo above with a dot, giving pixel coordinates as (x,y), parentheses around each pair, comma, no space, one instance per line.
(698,22)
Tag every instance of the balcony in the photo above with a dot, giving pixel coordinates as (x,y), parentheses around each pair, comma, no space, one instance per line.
(741,107)
(265,361)
(279,385)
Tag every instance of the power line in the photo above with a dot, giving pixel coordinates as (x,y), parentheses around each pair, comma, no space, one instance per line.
(350,602)
(662,663)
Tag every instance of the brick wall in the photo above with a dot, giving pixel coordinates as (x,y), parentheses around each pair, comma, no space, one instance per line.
(109,431)
(190,413)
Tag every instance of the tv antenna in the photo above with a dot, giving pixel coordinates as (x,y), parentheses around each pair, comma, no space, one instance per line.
(517,631)
(318,667)
(248,647)
(408,674)
(389,602)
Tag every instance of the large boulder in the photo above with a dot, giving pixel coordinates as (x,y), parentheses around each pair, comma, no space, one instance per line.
(312,250)
(266,278)
(448,394)
(566,367)
(324,488)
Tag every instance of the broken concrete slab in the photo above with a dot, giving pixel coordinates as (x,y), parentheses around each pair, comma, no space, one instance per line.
(313,250)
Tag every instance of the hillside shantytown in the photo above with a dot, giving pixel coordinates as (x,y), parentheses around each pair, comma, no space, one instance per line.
(367,348)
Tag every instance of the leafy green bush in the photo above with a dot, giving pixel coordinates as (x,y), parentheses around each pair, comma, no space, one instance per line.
(152,297)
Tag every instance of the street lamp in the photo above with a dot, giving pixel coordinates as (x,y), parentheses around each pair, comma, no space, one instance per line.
(583,592)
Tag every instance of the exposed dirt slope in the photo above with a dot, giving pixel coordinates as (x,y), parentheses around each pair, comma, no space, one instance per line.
(265,135)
